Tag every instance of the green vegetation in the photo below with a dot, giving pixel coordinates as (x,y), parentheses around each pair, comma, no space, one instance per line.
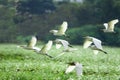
(20,64)
(22,18)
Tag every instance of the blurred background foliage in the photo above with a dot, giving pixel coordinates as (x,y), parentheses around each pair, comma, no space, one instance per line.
(20,19)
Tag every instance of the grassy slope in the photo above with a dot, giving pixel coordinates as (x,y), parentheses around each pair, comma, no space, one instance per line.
(19,64)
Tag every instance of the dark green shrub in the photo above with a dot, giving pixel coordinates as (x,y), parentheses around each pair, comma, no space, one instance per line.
(112,39)
(77,34)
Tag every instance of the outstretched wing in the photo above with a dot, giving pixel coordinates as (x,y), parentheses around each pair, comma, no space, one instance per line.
(87,43)
(58,46)
(32,42)
(70,69)
(65,43)
(106,25)
(63,27)
(97,43)
(46,47)
(112,23)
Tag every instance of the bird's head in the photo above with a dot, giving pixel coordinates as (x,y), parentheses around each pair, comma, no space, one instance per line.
(87,37)
(53,31)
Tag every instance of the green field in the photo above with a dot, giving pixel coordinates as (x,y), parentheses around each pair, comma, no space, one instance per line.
(20,64)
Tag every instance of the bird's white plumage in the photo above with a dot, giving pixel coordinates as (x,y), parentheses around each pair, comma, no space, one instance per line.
(46,47)
(78,69)
(36,48)
(106,25)
(62,29)
(96,46)
(112,23)
(58,46)
(77,66)
(86,44)
(97,43)
(44,50)
(109,27)
(70,69)
(62,42)
(32,42)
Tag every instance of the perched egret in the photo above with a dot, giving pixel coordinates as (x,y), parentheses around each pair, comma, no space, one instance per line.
(44,50)
(109,27)
(96,47)
(75,65)
(31,44)
(61,30)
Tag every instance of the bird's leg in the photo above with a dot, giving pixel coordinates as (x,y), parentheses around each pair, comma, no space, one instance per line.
(49,56)
(60,54)
(103,51)
(70,46)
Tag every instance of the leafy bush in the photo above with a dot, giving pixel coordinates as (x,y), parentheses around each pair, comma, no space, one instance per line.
(112,39)
(77,34)
(23,39)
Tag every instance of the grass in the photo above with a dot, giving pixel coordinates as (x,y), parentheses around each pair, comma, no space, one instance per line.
(20,64)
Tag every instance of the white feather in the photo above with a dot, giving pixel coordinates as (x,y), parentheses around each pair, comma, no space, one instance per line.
(58,46)
(78,69)
(70,69)
(86,44)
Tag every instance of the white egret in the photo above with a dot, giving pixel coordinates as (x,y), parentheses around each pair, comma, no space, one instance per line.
(96,47)
(61,42)
(44,50)
(65,44)
(109,27)
(61,30)
(31,44)
(75,65)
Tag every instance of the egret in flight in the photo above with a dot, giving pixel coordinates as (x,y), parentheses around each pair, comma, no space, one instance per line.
(74,65)
(109,27)
(61,42)
(96,47)
(61,31)
(44,50)
(31,44)
(65,44)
